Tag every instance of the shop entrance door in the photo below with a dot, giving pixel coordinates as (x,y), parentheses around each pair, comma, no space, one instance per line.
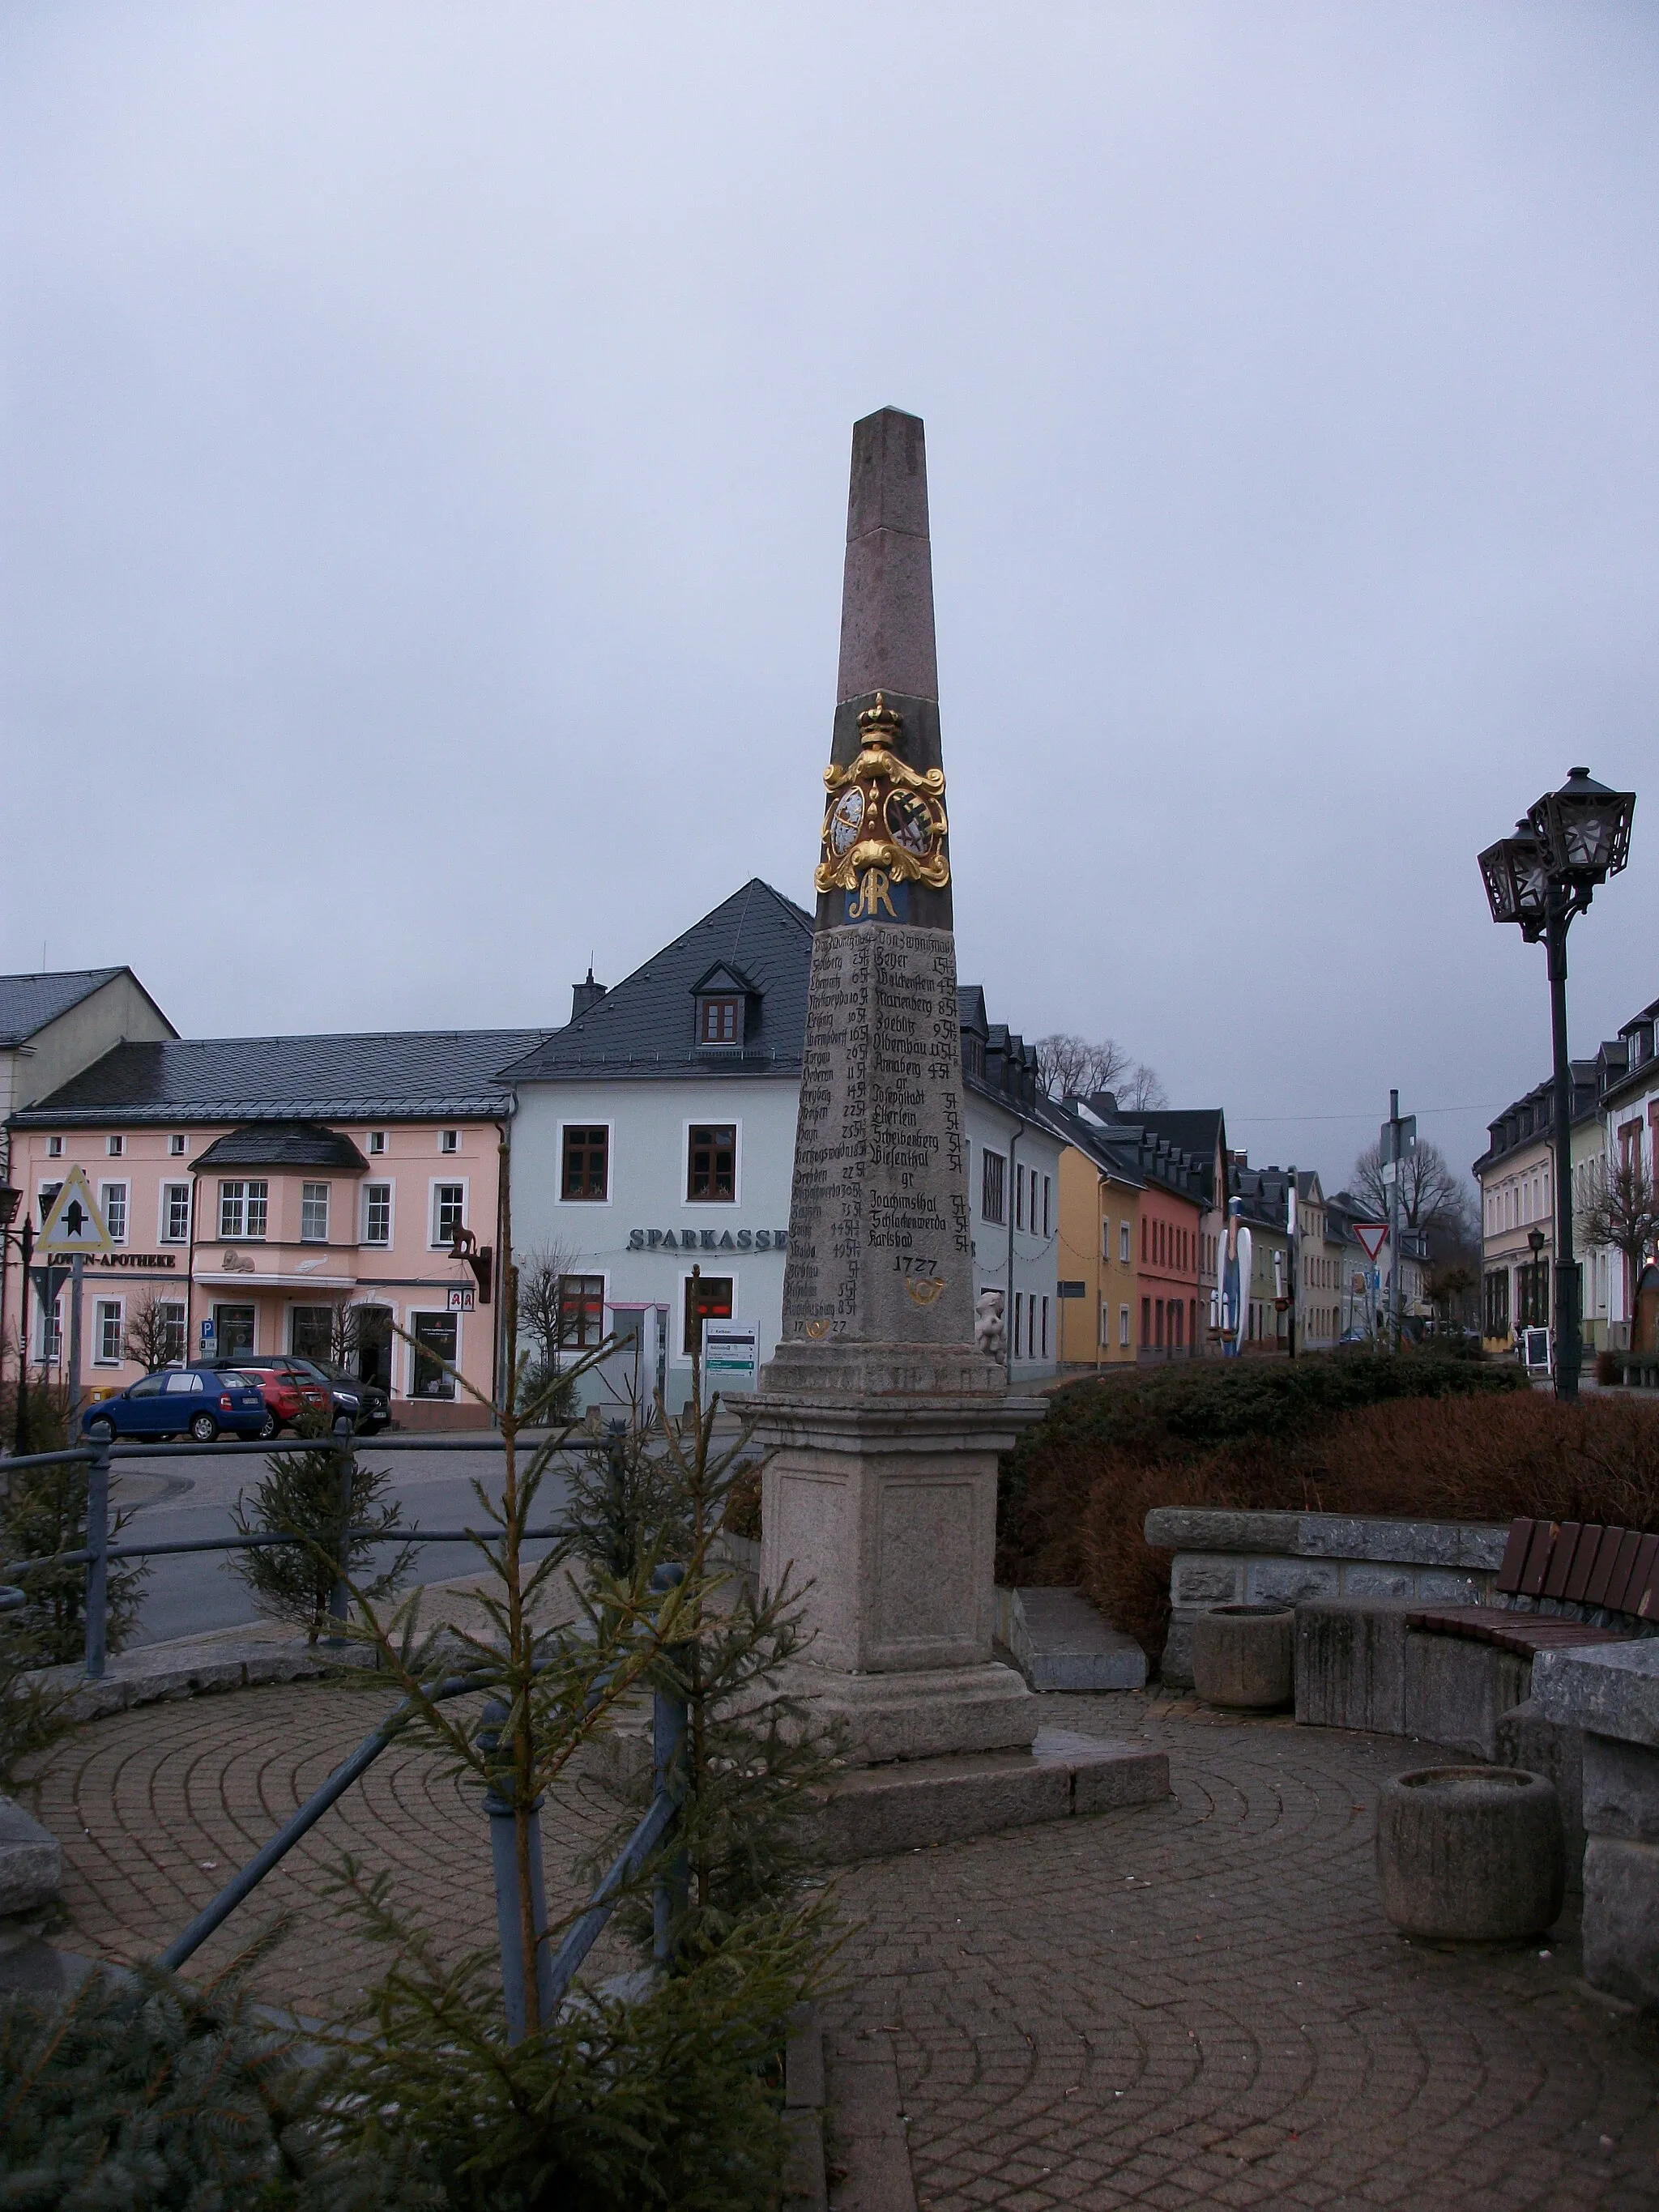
(373,1345)
(233,1331)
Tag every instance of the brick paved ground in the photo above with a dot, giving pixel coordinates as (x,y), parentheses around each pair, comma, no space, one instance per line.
(1196,2004)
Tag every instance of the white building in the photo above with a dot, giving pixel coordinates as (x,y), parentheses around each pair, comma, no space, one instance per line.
(656,1134)
(1630,1117)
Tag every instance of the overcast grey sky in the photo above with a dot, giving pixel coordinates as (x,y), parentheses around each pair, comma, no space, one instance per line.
(425,436)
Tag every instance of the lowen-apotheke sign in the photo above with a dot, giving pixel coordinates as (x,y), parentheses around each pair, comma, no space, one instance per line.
(136,1260)
(708,1240)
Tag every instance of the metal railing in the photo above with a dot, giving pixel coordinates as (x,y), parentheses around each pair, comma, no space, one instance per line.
(555,1970)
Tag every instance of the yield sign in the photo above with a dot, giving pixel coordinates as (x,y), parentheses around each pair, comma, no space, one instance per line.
(1373,1236)
(74,1224)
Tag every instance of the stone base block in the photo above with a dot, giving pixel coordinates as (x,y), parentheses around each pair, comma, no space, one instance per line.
(1455,1691)
(31,1861)
(1620,1789)
(1350,1664)
(933,1713)
(1060,1643)
(1622,1918)
(874,1812)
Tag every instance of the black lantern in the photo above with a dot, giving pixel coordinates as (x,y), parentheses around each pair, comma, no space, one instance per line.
(1536,1238)
(8,1203)
(1516,874)
(1584,829)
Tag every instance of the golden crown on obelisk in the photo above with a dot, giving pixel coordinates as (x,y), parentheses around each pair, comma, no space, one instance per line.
(883,814)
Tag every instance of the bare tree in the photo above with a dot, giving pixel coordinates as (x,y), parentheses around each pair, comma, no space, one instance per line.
(1140,1091)
(1433,1197)
(154,1333)
(356,1331)
(542,1271)
(1622,1212)
(1071,1067)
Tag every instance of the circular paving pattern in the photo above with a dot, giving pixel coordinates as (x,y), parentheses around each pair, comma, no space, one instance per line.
(1196,2003)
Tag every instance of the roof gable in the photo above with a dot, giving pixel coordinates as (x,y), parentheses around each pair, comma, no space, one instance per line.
(723,979)
(29,1003)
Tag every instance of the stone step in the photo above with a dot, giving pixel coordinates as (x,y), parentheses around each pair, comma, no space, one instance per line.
(1059,1642)
(873,1812)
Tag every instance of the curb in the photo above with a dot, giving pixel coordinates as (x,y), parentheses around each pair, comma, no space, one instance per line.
(805,2179)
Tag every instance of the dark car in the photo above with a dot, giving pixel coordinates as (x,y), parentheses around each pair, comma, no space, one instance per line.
(177,1402)
(360,1406)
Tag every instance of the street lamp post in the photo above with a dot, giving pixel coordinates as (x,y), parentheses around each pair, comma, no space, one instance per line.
(1541,879)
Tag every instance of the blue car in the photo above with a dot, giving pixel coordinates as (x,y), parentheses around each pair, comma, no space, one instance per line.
(180,1401)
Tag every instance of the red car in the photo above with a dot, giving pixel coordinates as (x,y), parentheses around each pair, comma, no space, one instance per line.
(286,1397)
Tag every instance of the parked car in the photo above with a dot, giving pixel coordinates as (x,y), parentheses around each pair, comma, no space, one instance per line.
(197,1401)
(360,1406)
(287,1397)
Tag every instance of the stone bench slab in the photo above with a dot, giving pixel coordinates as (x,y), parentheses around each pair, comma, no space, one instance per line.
(1059,1642)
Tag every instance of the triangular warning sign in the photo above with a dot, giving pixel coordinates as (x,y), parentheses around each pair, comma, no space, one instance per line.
(74,1224)
(1373,1236)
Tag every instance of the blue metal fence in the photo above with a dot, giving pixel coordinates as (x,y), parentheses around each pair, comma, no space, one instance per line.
(555,1970)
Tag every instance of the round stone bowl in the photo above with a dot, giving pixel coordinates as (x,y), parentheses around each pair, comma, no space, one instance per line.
(1471,1854)
(1243,1657)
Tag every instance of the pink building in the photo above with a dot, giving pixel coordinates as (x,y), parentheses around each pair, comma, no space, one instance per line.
(284,1194)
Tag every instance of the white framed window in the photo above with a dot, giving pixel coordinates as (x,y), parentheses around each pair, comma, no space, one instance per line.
(711,1162)
(1019,1196)
(171,1312)
(51,1338)
(115,1146)
(54,1148)
(1019,1320)
(377,1142)
(243,1209)
(1044,1353)
(1123,1327)
(1105,1321)
(1126,1243)
(45,1197)
(448,1212)
(313,1213)
(449,1140)
(174,1227)
(994,1186)
(106,1332)
(1048,1206)
(585,1164)
(178,1145)
(112,1205)
(377,1213)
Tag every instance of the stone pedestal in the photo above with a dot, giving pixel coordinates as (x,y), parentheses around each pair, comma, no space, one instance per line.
(883,1516)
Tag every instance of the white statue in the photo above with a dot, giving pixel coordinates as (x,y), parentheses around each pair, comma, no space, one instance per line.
(988,1335)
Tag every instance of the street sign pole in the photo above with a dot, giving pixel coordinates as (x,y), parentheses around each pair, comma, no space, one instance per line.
(76,1265)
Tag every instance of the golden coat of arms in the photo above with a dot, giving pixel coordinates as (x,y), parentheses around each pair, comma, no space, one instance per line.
(885,821)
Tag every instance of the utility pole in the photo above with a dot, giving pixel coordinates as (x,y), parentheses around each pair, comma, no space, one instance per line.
(1293,1223)
(1394,1214)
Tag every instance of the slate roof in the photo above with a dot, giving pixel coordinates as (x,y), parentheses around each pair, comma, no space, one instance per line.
(27,1003)
(285,1144)
(409,1075)
(644,1027)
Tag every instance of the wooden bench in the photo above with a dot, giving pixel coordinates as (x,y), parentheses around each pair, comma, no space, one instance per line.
(1570,1563)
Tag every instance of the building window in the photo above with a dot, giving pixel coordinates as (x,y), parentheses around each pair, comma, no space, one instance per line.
(1125,1248)
(242,1210)
(171,1315)
(993,1196)
(1105,1322)
(48,1199)
(176,1145)
(1047,1203)
(1496,1317)
(719,1021)
(313,1213)
(448,1212)
(712,1161)
(51,1332)
(581,1311)
(115,1146)
(106,1332)
(1045,1329)
(175,1213)
(233,1331)
(310,1333)
(113,1199)
(449,1140)
(1123,1327)
(54,1148)
(437,1342)
(1020,1197)
(377,1141)
(587,1163)
(1019,1319)
(377,1213)
(708,1298)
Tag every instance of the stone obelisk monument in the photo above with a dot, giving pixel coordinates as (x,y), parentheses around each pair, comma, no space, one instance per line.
(885,1421)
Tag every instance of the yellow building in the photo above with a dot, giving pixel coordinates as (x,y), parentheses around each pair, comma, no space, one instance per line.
(1095,1261)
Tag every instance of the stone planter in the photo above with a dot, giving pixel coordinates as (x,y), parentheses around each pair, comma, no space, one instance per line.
(1243,1656)
(1470,1854)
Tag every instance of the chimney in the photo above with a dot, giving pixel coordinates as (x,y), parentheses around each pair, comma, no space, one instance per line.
(585,995)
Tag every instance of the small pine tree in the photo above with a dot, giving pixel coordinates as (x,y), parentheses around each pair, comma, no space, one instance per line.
(43,1511)
(301,1495)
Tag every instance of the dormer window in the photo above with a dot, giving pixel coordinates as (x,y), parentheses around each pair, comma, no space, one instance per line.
(720,1020)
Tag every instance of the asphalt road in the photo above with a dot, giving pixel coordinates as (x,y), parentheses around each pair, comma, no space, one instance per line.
(171,1500)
